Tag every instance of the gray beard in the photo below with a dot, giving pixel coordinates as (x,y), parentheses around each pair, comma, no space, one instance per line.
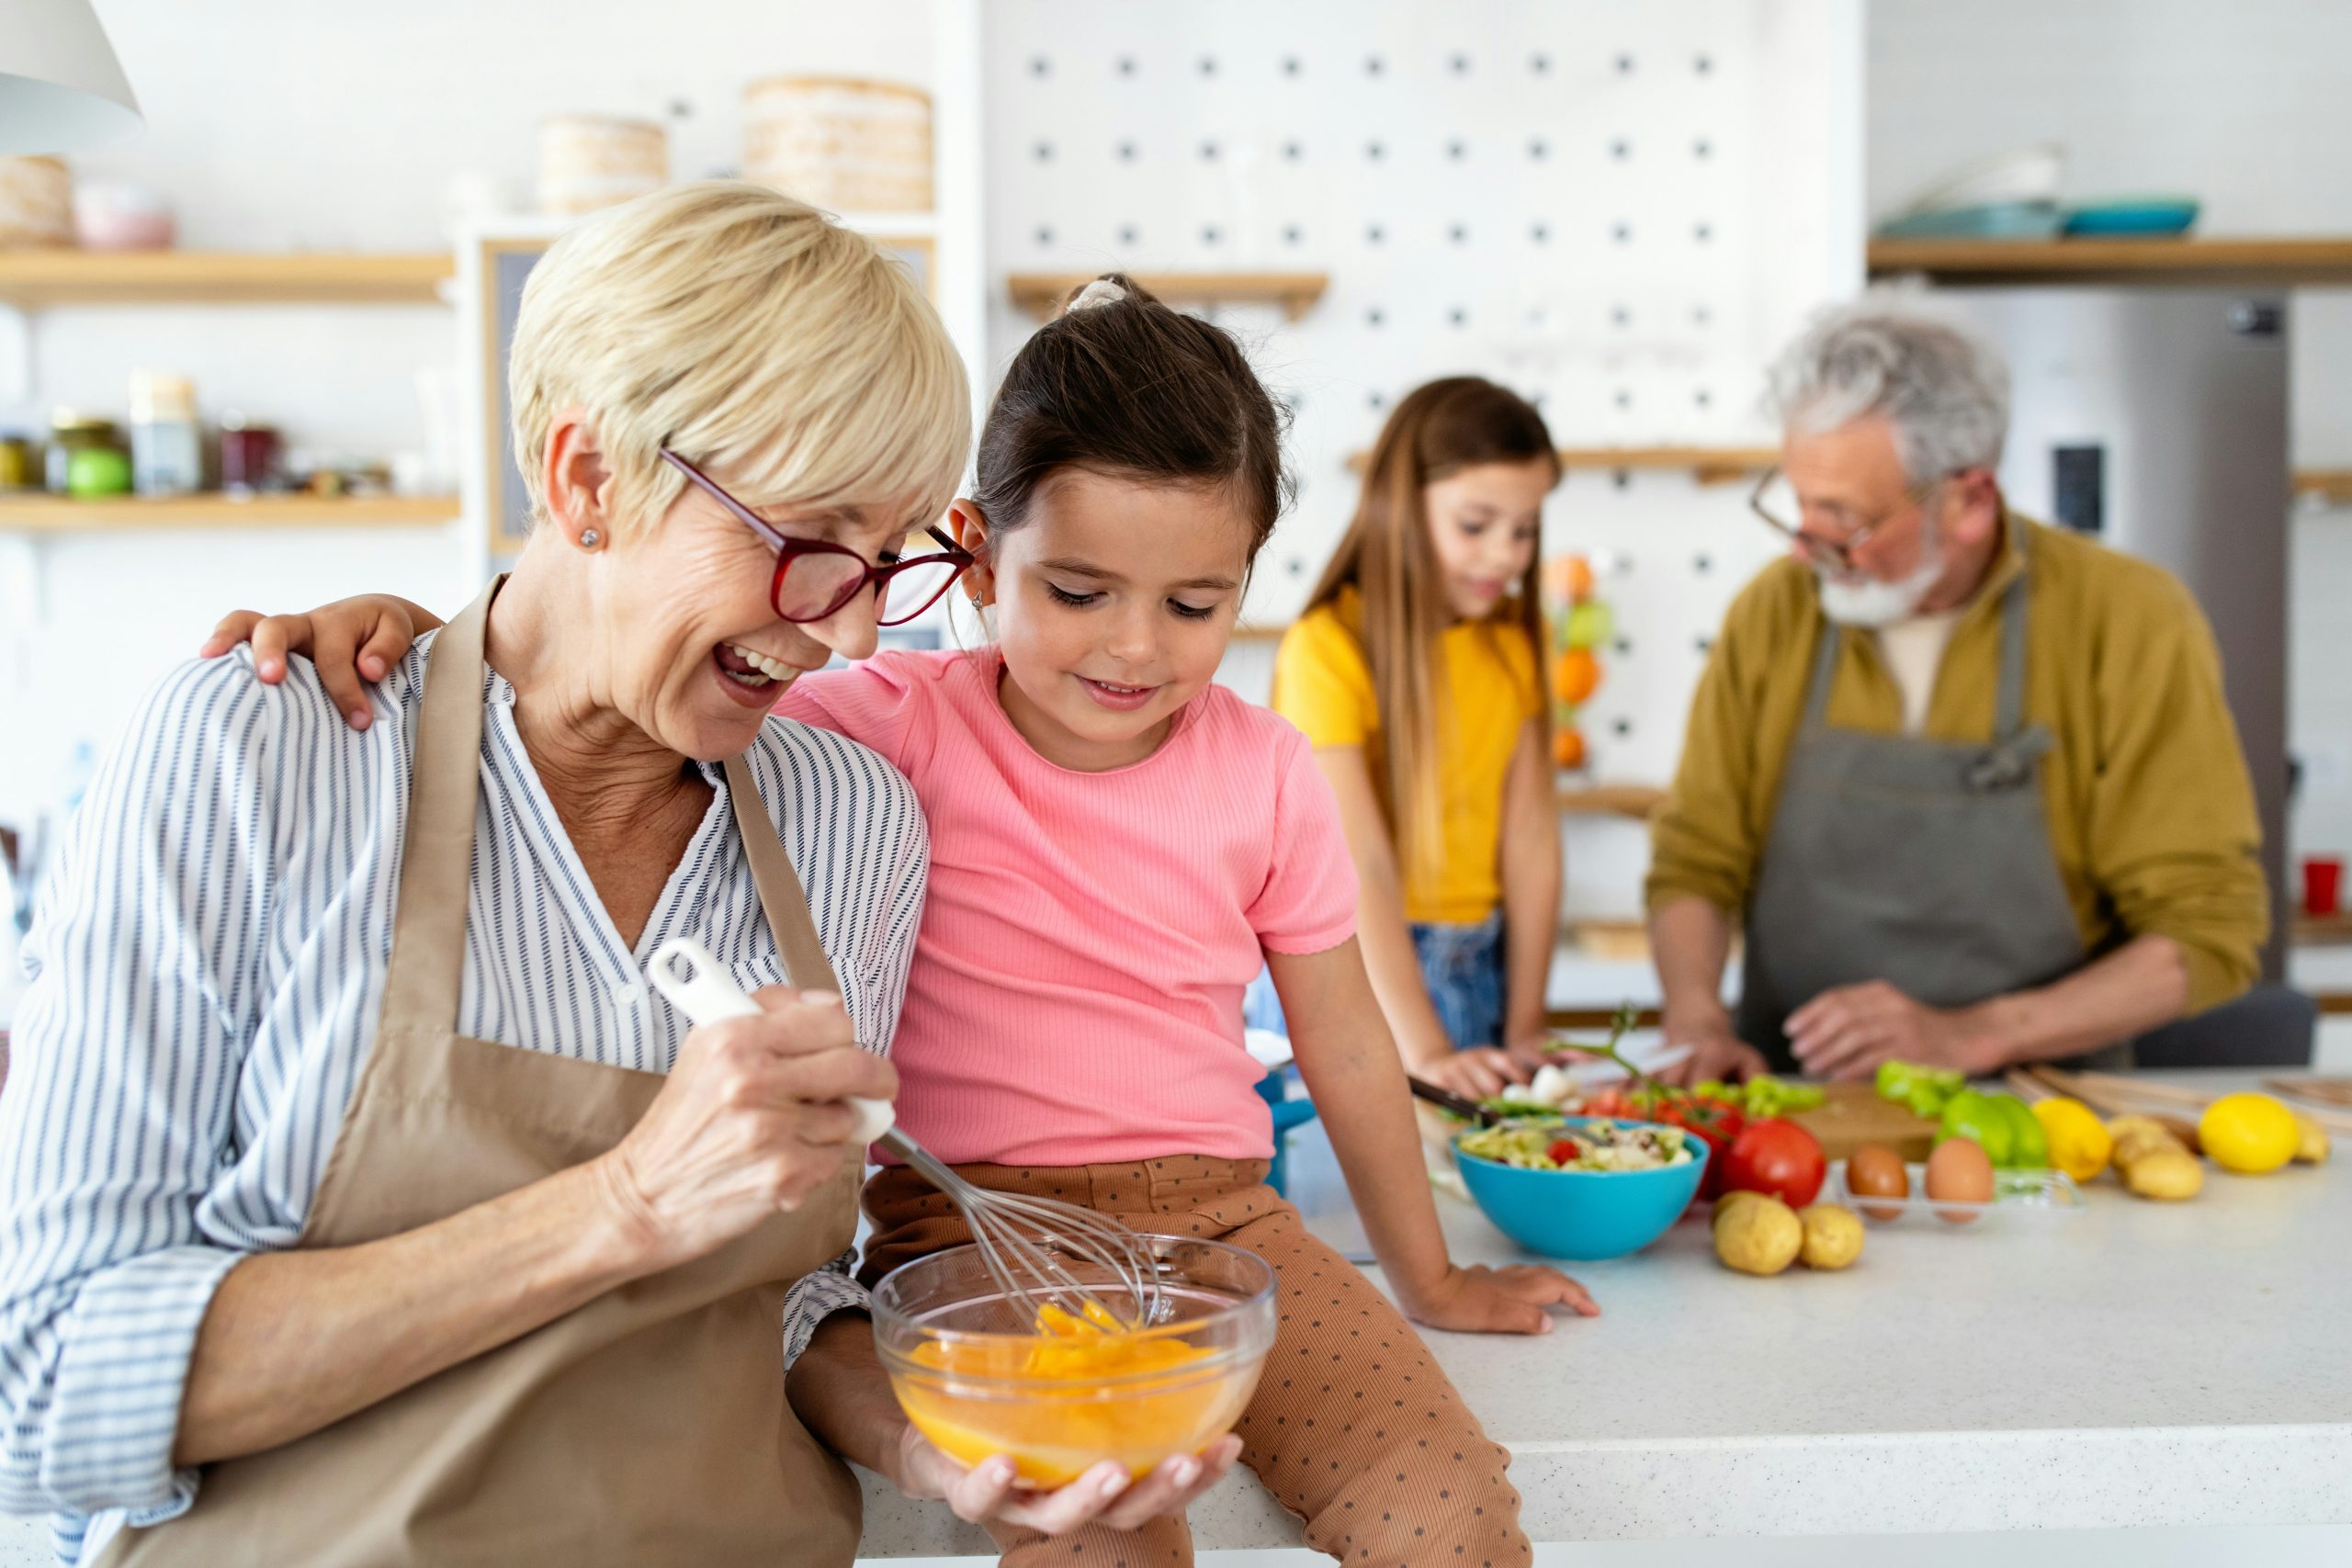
(1867,602)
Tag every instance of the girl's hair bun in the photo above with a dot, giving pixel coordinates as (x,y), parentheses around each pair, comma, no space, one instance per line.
(1101,291)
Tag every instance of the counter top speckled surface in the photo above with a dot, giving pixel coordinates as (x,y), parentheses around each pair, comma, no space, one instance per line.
(2133,1363)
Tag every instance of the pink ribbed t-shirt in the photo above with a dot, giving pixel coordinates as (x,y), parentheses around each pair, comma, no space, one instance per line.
(1076,992)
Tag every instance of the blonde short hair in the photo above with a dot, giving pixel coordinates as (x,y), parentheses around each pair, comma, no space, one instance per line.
(794,357)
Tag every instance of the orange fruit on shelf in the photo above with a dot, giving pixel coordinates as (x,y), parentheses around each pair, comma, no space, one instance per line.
(1567,578)
(1567,746)
(1576,674)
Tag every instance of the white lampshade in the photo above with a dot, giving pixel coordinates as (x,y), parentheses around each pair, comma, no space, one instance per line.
(60,88)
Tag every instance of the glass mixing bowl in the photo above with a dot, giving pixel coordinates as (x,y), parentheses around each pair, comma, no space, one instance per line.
(978,1378)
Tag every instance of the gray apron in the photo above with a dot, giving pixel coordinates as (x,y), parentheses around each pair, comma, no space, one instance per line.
(1924,863)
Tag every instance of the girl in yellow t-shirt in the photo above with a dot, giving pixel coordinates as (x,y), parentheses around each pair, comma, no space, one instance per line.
(1414,675)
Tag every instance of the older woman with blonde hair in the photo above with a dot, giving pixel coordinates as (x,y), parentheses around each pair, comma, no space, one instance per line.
(363,1204)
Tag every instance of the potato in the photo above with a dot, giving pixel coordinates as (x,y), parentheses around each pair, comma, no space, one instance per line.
(2311,1140)
(1728,1203)
(2136,1137)
(2168,1174)
(1762,1237)
(1833,1235)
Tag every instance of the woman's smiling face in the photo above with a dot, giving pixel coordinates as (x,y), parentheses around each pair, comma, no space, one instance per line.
(695,652)
(1113,603)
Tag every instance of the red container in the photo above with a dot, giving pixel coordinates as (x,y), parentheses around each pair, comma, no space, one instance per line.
(248,456)
(2322,883)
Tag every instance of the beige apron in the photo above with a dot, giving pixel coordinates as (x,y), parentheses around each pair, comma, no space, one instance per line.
(649,1425)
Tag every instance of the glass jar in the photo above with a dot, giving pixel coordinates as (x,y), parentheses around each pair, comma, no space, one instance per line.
(248,456)
(70,432)
(166,454)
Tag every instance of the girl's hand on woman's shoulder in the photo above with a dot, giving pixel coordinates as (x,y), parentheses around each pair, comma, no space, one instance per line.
(349,641)
(1479,1300)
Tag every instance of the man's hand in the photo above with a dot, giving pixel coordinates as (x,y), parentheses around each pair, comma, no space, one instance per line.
(1846,1033)
(1716,1053)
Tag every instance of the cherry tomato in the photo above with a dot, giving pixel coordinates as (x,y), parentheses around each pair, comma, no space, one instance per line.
(1778,1157)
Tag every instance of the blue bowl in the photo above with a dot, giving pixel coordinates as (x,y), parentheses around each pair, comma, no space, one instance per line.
(1584,1215)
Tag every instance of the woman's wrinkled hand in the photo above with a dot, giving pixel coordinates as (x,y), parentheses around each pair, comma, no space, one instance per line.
(749,1122)
(1105,1494)
(350,641)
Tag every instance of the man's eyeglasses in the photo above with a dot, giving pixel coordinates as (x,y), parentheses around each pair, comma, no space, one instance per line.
(816,579)
(1775,501)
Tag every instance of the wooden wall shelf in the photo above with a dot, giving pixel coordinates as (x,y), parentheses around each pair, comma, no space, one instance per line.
(63,514)
(2331,486)
(2279,263)
(1708,464)
(36,279)
(1042,293)
(1635,802)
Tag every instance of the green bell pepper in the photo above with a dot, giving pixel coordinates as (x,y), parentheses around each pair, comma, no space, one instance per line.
(2028,1145)
(1979,1117)
(1925,1090)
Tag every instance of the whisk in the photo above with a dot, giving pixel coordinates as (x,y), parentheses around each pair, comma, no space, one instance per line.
(1018,1238)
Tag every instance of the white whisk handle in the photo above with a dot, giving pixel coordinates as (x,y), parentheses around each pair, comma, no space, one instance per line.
(709,994)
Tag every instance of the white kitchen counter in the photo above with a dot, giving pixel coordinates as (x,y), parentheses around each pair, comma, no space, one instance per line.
(2132,1365)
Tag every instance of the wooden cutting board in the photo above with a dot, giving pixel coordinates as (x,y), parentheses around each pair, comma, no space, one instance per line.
(1853,1114)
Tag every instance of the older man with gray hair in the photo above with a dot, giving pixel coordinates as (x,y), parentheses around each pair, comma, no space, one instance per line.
(1968,782)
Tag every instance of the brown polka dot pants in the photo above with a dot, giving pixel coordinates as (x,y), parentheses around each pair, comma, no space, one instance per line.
(1354,1428)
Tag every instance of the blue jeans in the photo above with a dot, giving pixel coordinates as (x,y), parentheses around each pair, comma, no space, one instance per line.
(1462,967)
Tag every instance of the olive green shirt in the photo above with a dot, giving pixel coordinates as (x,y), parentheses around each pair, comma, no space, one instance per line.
(2151,811)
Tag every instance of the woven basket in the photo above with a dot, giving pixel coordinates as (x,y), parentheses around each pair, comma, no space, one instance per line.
(592,161)
(36,203)
(840,142)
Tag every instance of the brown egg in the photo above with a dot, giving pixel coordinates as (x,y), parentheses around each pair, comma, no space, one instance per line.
(1958,1170)
(1876,1172)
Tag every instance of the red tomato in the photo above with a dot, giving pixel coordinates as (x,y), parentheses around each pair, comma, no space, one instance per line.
(1607,1102)
(1776,1157)
(1716,1126)
(1564,1152)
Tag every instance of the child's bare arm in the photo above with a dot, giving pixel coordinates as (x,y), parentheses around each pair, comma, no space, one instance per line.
(1358,1082)
(349,641)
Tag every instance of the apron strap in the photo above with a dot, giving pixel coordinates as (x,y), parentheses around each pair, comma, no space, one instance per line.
(420,982)
(781,895)
(1828,645)
(2008,713)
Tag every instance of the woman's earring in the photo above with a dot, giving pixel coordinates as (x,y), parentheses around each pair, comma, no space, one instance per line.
(590,538)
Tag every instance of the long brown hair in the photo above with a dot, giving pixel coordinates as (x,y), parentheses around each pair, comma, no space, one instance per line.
(1387,556)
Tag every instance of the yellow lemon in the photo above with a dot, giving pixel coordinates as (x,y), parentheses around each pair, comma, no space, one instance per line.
(2079,1143)
(2249,1133)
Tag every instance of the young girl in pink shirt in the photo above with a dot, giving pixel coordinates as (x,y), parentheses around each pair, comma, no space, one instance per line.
(1117,844)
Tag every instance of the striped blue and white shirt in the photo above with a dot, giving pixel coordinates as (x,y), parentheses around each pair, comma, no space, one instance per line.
(207,965)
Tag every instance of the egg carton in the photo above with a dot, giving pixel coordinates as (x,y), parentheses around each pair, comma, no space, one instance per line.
(2022,1194)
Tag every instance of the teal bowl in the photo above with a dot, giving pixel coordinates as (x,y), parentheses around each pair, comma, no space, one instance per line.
(1583,1215)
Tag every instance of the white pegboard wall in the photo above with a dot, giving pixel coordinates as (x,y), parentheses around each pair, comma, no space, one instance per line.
(1618,209)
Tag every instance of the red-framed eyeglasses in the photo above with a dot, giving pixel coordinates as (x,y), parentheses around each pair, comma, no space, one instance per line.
(816,579)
